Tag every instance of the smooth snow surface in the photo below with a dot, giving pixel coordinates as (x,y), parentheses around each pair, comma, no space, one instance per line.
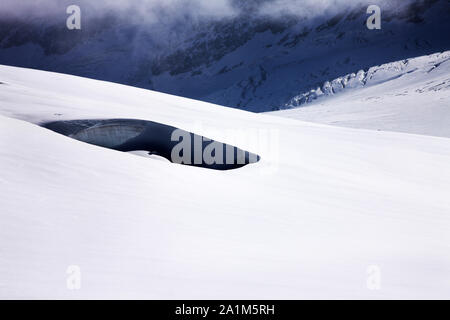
(309,225)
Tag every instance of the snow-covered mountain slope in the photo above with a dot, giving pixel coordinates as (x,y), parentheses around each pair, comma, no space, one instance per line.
(251,60)
(410,96)
(337,204)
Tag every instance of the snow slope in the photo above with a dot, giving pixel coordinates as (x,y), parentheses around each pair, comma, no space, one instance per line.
(411,95)
(309,225)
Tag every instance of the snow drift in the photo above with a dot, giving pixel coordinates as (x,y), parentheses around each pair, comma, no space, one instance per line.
(312,224)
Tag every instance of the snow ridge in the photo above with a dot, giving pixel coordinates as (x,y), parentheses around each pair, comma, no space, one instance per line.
(373,76)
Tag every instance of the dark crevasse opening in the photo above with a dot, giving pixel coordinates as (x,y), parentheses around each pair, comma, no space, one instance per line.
(174,144)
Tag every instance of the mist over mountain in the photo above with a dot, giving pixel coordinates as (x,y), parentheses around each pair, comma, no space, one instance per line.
(254,55)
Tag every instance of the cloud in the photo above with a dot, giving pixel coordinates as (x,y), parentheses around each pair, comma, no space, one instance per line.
(144,10)
(168,13)
(318,8)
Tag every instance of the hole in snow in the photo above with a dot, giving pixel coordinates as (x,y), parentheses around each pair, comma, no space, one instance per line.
(155,140)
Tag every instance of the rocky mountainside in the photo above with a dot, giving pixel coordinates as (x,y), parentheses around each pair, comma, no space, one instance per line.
(251,61)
